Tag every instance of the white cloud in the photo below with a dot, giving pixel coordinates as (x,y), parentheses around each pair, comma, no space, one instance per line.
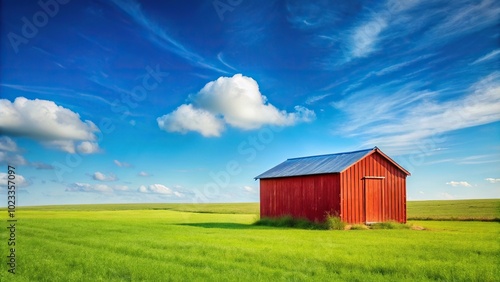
(366,36)
(493,180)
(7,144)
(487,57)
(178,194)
(313,99)
(156,189)
(20,181)
(144,174)
(95,188)
(187,118)
(405,118)
(122,164)
(45,121)
(12,159)
(86,187)
(67,146)
(235,101)
(464,17)
(159,189)
(459,183)
(99,176)
(249,189)
(120,188)
(87,147)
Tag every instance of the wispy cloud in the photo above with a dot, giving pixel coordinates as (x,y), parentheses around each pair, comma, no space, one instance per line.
(404,118)
(464,17)
(313,99)
(487,57)
(95,188)
(398,66)
(220,56)
(143,174)
(365,37)
(56,91)
(478,159)
(160,37)
(122,164)
(7,144)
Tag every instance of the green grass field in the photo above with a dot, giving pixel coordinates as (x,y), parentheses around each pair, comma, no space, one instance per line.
(216,242)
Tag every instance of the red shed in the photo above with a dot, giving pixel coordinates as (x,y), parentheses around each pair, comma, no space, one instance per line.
(361,187)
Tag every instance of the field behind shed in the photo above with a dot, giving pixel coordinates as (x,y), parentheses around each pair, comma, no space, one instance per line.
(216,242)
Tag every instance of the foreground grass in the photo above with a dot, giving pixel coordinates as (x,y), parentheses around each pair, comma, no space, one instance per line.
(168,245)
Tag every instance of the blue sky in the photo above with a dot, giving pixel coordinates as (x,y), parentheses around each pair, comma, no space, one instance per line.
(187,101)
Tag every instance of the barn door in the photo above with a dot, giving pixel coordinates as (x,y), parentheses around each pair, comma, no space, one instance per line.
(373,200)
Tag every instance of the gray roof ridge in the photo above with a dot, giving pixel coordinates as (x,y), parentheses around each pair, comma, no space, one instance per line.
(325,155)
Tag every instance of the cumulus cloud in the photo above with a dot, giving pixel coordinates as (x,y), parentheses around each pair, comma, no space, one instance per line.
(159,189)
(187,118)
(95,188)
(155,189)
(459,183)
(99,176)
(20,180)
(45,121)
(122,164)
(235,101)
(87,147)
(493,180)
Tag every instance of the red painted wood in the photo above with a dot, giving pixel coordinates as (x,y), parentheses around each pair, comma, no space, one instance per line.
(392,196)
(349,194)
(310,196)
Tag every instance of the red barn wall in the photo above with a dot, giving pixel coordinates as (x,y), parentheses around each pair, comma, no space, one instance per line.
(309,196)
(393,190)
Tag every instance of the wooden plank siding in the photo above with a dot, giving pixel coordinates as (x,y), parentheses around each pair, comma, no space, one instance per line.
(309,196)
(392,197)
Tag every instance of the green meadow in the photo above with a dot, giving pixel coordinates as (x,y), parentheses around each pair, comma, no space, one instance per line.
(217,242)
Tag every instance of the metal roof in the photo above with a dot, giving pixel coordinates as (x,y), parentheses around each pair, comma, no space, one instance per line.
(332,163)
